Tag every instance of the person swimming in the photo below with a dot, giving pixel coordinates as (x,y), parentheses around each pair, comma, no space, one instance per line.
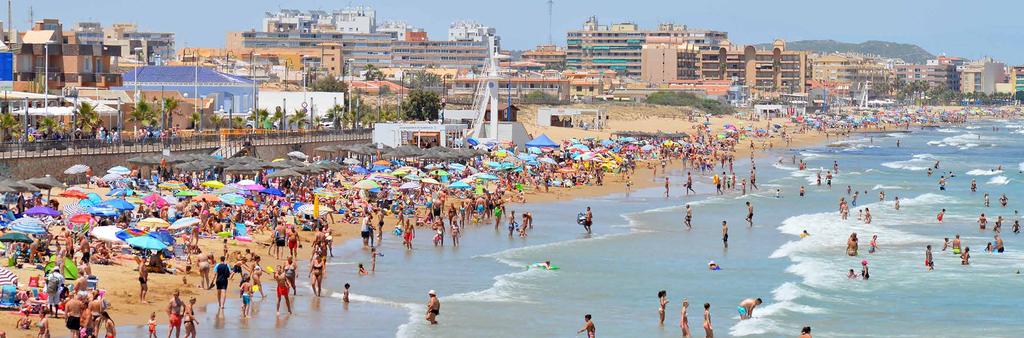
(714,266)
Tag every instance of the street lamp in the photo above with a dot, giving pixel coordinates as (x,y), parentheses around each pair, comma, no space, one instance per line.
(138,59)
(46,78)
(195,83)
(252,73)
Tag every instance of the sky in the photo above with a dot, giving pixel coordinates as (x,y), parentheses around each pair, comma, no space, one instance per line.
(971,29)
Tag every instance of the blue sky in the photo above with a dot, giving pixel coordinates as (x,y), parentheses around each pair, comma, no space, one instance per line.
(963,28)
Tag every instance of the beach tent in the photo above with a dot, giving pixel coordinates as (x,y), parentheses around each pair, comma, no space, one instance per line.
(542,141)
(70,270)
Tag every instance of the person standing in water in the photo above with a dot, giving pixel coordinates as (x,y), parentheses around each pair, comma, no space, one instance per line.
(725,234)
(928,262)
(750,214)
(684,323)
(662,303)
(433,307)
(689,217)
(588,220)
(588,327)
(708,331)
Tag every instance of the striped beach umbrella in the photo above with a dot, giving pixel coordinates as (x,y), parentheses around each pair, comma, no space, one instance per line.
(7,277)
(28,225)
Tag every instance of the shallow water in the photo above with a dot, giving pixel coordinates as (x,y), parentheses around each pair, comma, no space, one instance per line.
(639,247)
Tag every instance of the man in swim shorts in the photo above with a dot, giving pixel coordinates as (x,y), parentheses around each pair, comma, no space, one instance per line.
(74,308)
(174,309)
(725,234)
(746,307)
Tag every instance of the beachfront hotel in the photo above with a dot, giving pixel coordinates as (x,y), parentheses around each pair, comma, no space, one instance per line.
(617,47)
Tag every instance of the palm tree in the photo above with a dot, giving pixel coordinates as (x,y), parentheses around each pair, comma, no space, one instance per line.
(216,120)
(299,118)
(194,118)
(335,115)
(143,114)
(87,118)
(238,121)
(7,124)
(170,106)
(278,118)
(48,125)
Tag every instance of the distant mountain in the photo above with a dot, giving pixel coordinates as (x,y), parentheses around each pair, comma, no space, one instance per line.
(908,52)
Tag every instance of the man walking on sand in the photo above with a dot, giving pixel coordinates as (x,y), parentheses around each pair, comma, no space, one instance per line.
(174,309)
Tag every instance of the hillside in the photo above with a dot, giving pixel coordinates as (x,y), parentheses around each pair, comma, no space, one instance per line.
(908,52)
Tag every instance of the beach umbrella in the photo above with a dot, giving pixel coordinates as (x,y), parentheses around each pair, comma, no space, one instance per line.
(121,192)
(227,189)
(146,243)
(213,184)
(71,209)
(485,176)
(111,177)
(46,182)
(284,173)
(5,188)
(187,193)
(273,192)
(206,198)
(171,185)
(184,222)
(119,170)
(104,211)
(412,177)
(350,161)
(367,185)
(81,219)
(163,235)
(76,169)
(40,210)
(28,225)
(15,237)
(533,150)
(381,163)
(106,233)
(73,193)
(253,187)
(118,204)
(153,222)
(20,186)
(359,170)
(245,182)
(548,160)
(232,199)
(410,186)
(429,180)
(7,277)
(298,155)
(155,200)
(326,194)
(379,168)
(440,172)
(459,185)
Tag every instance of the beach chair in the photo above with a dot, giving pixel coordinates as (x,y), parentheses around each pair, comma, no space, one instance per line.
(92,282)
(9,297)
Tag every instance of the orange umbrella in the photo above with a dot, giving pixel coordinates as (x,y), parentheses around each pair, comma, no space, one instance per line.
(207,198)
(75,194)
(250,203)
(81,219)
(567,170)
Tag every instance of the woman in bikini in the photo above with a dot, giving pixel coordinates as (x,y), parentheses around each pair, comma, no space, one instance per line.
(289,274)
(189,318)
(684,324)
(316,271)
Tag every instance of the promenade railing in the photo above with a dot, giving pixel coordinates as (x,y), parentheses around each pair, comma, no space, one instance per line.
(180,142)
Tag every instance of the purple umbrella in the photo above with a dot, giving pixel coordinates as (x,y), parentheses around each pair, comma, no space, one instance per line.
(42,211)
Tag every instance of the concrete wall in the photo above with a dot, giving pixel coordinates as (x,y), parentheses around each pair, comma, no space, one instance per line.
(23,168)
